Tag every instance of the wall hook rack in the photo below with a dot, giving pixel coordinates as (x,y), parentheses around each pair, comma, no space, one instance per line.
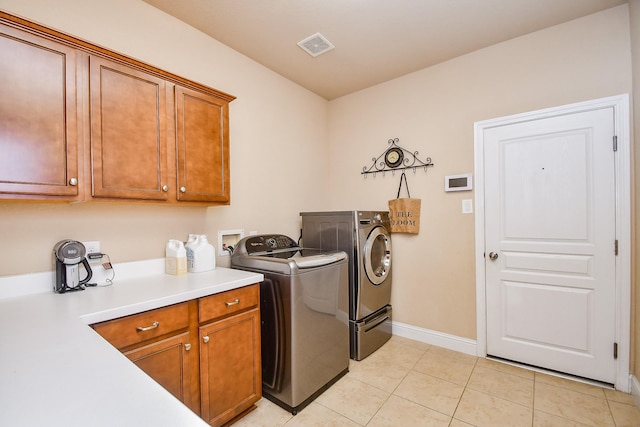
(396,158)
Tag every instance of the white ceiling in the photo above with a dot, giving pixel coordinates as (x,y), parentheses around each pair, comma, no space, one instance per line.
(375,40)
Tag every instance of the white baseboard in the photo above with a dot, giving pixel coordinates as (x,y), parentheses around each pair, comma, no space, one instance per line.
(440,339)
(635,389)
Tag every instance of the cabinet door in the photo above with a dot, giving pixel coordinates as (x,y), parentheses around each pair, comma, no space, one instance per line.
(38,116)
(128,132)
(230,373)
(202,127)
(167,362)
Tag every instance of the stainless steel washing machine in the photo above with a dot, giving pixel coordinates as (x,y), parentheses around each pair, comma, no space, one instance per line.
(365,237)
(304,304)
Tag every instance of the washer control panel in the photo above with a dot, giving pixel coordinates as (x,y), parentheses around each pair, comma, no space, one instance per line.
(269,242)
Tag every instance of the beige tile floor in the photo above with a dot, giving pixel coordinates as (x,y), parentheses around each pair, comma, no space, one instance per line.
(408,383)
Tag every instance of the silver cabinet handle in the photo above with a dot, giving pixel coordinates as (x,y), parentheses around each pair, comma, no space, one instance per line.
(73,181)
(205,338)
(187,347)
(234,302)
(493,256)
(165,188)
(183,189)
(148,328)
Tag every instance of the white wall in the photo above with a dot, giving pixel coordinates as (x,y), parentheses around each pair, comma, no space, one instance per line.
(433,111)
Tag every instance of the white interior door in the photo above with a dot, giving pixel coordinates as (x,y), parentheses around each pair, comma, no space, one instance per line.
(550,238)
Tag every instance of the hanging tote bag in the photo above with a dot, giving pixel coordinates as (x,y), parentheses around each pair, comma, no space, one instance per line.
(404,213)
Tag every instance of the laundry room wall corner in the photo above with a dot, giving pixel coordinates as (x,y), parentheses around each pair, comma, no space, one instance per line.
(433,111)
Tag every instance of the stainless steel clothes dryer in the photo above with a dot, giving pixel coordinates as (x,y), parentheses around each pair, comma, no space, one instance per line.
(365,237)
(304,314)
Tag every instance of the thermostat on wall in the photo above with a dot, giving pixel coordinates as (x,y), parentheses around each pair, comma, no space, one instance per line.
(462,182)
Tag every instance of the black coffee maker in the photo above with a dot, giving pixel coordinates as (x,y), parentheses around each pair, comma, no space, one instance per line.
(68,255)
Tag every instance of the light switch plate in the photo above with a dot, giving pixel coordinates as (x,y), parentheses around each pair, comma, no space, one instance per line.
(467,206)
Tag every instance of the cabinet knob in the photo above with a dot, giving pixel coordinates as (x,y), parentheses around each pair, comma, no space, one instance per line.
(205,338)
(183,189)
(73,181)
(187,347)
(165,188)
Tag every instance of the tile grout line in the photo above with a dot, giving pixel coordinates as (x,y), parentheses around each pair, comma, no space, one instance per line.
(431,409)
(464,389)
(561,387)
(533,399)
(609,407)
(377,410)
(396,387)
(339,413)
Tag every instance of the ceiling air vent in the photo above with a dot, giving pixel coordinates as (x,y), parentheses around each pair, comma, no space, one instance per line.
(316,45)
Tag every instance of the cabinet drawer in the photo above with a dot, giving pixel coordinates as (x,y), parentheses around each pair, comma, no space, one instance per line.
(144,326)
(229,302)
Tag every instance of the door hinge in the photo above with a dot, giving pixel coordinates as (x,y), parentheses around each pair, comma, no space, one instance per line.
(615,350)
(616,247)
(615,143)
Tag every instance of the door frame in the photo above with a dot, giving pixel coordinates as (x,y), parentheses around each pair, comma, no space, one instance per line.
(620,105)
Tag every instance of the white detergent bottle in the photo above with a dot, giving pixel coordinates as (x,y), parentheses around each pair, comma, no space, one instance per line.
(190,239)
(201,255)
(175,261)
(189,248)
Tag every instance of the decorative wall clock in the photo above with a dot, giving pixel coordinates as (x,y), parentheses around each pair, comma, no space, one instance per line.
(396,158)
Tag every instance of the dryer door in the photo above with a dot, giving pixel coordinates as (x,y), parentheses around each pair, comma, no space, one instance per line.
(377,255)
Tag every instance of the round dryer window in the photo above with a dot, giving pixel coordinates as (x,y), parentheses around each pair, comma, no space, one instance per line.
(377,255)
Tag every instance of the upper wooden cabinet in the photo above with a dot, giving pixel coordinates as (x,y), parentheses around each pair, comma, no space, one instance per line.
(79,122)
(202,129)
(38,117)
(128,132)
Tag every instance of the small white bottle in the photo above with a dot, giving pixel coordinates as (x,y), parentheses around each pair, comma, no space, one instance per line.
(201,255)
(175,261)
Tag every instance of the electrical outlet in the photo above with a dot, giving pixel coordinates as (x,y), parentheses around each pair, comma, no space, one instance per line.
(92,246)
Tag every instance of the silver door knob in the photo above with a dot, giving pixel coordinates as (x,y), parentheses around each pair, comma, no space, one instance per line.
(165,188)
(493,256)
(183,189)
(205,338)
(73,181)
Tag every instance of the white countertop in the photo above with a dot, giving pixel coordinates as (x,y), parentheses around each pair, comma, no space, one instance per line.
(56,371)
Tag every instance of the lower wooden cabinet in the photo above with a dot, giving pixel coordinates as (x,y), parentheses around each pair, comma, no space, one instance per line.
(230,369)
(167,362)
(213,341)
